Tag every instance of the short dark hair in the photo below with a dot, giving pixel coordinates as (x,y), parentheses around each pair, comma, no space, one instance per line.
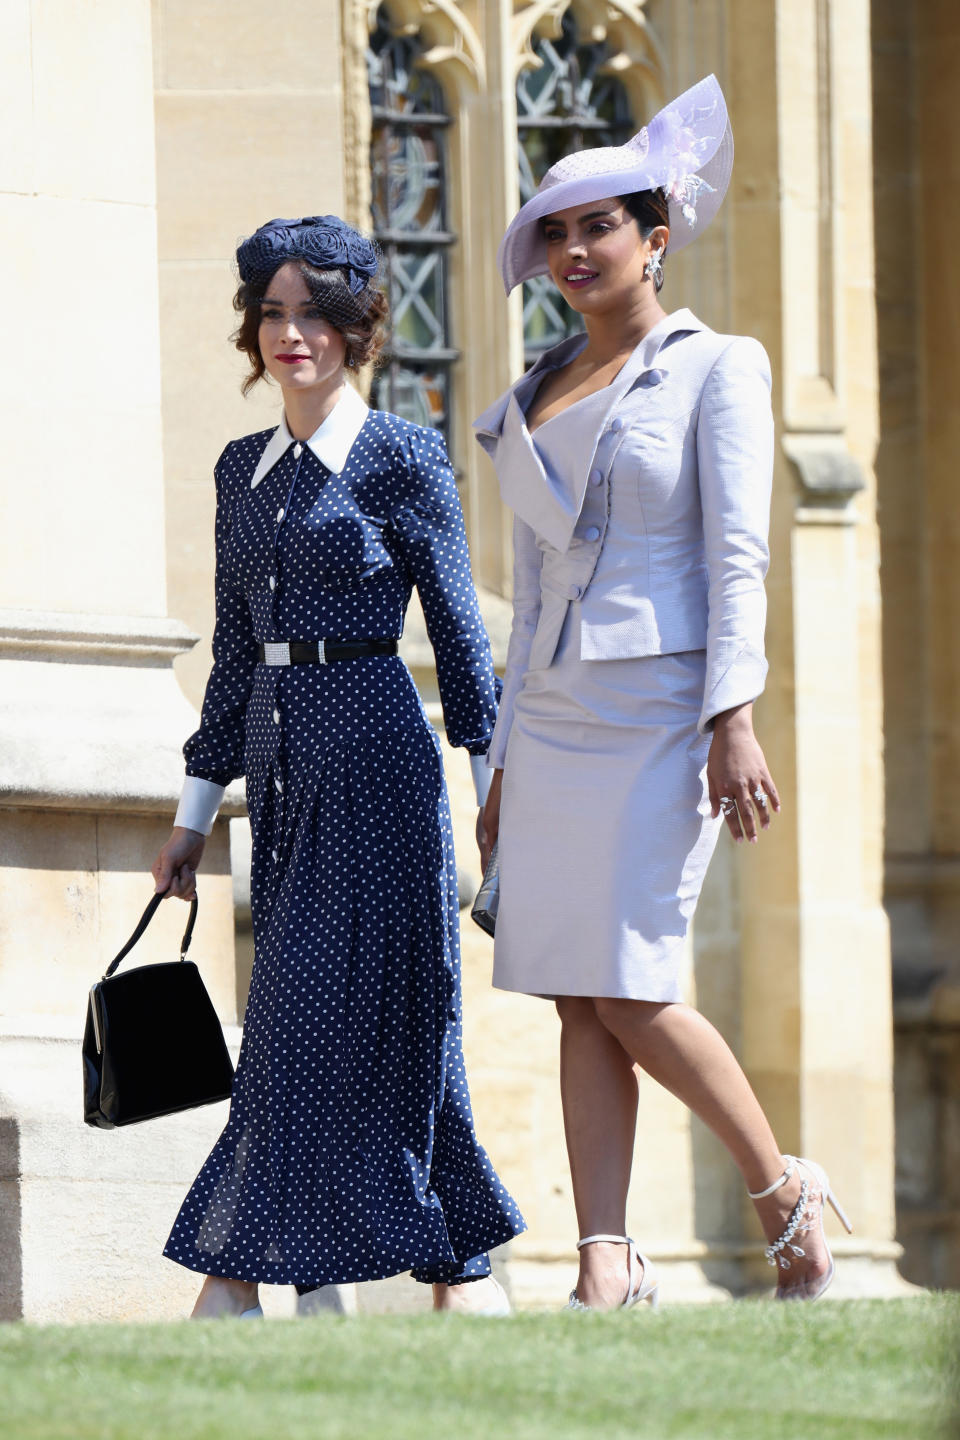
(649,208)
(365,336)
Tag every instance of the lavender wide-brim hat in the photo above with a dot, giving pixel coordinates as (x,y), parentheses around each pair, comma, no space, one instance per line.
(686,150)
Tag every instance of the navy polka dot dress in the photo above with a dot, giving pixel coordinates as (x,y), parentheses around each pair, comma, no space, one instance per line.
(349,1153)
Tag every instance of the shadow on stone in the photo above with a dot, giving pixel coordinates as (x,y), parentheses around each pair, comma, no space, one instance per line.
(11,1255)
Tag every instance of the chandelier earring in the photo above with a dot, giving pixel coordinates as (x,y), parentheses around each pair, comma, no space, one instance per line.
(653,269)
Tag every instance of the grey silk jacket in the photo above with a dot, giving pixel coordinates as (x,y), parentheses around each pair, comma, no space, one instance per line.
(648,504)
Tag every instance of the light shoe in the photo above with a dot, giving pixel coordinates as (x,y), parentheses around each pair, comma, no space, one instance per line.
(649,1285)
(803,1217)
(499,1307)
(254,1313)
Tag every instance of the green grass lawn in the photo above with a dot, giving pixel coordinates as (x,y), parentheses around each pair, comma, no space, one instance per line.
(731,1372)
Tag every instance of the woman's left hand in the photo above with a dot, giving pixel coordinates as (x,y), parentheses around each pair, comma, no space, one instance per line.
(488,821)
(740,784)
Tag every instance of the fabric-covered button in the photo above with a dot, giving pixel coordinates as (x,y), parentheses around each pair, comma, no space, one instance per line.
(280,513)
(574,592)
(275,854)
(273,582)
(653,377)
(617,424)
(592,534)
(279,784)
(276,717)
(297,450)
(596,477)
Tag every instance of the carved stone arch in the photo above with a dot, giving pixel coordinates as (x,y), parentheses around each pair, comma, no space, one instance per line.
(638,57)
(357,126)
(452,51)
(451,40)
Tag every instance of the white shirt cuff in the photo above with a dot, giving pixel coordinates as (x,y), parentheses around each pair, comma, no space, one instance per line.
(199,803)
(482,778)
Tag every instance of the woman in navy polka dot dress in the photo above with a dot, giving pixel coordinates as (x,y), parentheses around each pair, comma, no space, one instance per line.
(349,1153)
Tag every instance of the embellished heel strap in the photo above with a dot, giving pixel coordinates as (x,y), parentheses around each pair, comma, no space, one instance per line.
(781,1180)
(777,1252)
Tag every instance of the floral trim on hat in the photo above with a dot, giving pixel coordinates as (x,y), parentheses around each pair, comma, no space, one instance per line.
(325,241)
(684,185)
(685,150)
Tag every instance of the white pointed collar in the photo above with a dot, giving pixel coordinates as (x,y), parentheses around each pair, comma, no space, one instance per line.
(331,442)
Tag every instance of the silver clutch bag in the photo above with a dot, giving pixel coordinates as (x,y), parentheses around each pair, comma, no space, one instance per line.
(484,909)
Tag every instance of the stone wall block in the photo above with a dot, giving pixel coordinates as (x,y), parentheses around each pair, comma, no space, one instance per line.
(18,157)
(258,156)
(95,1205)
(109,155)
(235,45)
(88,469)
(73,888)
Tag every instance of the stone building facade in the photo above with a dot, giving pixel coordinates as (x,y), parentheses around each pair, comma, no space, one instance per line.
(158,134)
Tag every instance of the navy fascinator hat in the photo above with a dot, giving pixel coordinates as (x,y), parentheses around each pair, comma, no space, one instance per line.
(325,241)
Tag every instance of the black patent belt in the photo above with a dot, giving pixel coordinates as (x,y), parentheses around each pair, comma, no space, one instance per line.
(321,652)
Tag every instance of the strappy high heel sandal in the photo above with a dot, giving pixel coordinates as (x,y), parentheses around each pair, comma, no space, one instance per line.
(649,1286)
(803,1217)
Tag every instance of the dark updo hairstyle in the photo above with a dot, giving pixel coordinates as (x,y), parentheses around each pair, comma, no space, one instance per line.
(361,320)
(649,208)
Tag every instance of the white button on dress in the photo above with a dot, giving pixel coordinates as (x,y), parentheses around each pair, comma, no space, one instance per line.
(297,450)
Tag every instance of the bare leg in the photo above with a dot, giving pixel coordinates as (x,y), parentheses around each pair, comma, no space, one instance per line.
(681,1050)
(219,1298)
(598,1086)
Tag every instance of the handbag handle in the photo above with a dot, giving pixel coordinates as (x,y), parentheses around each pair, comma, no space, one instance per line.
(145,919)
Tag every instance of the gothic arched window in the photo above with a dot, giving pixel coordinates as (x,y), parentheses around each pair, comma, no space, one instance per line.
(568,103)
(407,161)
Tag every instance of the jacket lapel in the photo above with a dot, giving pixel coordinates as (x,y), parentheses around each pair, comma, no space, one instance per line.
(544,480)
(489,425)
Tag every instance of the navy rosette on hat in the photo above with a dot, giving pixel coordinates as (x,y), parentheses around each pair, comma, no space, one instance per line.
(324,241)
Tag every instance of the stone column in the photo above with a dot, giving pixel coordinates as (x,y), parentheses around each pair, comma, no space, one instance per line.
(91,716)
(917,159)
(816,1029)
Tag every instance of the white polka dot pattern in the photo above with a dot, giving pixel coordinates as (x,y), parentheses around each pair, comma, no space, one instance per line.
(349,1153)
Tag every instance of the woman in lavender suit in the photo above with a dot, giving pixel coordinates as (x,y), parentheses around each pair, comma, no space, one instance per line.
(637,459)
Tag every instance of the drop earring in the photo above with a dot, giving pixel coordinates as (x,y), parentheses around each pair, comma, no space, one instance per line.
(653,269)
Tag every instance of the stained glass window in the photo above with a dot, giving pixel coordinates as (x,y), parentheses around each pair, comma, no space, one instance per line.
(568,103)
(408,166)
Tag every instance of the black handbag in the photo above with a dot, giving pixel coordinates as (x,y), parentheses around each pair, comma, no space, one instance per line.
(152,1044)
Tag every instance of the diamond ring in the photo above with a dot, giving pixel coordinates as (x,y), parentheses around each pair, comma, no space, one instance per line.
(759,796)
(727,804)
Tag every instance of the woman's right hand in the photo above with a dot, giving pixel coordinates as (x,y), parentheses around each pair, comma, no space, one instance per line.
(488,821)
(175,868)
